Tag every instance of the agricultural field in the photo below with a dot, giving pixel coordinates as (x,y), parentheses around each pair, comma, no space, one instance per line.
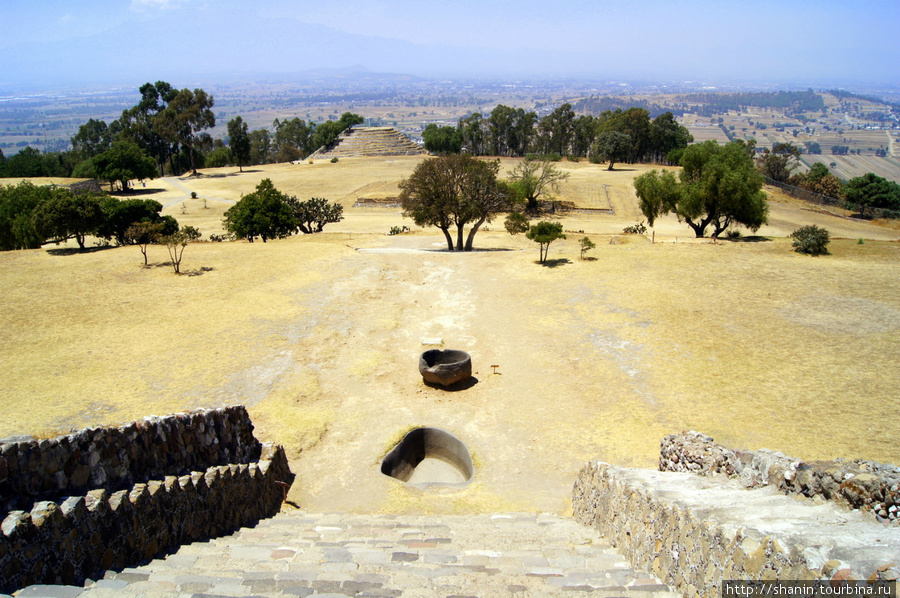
(319,335)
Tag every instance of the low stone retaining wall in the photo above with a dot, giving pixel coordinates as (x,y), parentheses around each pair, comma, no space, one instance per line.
(115,458)
(859,484)
(694,532)
(213,477)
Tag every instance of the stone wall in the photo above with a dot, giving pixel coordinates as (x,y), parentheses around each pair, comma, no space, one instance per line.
(867,485)
(116,458)
(210,476)
(694,532)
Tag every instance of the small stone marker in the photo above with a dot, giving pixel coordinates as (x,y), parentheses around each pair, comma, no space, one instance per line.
(433,341)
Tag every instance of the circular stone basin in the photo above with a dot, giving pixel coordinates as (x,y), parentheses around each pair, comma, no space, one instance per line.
(445,367)
(427,457)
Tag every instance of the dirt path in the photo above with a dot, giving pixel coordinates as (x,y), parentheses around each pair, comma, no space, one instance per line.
(320,336)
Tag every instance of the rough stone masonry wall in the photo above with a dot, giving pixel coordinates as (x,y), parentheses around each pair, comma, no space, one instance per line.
(212,477)
(665,522)
(858,484)
(115,458)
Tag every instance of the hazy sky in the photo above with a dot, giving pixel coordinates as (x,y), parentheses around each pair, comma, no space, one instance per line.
(752,40)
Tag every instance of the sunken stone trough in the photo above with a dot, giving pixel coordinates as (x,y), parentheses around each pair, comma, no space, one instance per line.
(429,457)
(445,367)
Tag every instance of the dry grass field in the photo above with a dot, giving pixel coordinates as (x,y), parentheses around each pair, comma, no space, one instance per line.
(319,336)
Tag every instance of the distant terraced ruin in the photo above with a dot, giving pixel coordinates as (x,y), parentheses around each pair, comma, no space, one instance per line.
(368,141)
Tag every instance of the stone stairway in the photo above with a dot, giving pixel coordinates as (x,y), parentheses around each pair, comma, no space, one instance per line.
(369,141)
(345,555)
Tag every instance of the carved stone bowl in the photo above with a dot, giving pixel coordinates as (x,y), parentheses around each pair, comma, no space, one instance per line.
(445,367)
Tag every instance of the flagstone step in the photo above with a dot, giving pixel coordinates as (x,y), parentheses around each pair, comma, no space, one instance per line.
(367,556)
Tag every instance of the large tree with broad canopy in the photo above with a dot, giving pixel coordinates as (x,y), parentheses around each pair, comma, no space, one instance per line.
(455,190)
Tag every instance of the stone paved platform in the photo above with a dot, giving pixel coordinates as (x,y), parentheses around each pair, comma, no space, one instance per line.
(370,556)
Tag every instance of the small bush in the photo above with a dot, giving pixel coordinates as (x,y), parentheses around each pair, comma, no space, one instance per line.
(516,222)
(193,195)
(733,235)
(398,230)
(637,229)
(586,245)
(811,240)
(333,160)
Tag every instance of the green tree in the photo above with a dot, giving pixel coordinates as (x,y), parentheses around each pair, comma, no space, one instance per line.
(658,193)
(813,147)
(93,137)
(442,140)
(292,138)
(266,213)
(324,135)
(583,136)
(612,147)
(239,142)
(556,131)
(260,147)
(543,233)
(533,179)
(454,190)
(17,205)
(143,234)
(586,245)
(31,163)
(185,117)
(667,135)
(634,122)
(219,157)
(810,240)
(516,222)
(816,172)
(139,124)
(471,130)
(312,215)
(872,191)
(123,162)
(121,214)
(65,216)
(778,162)
(510,131)
(177,242)
(718,186)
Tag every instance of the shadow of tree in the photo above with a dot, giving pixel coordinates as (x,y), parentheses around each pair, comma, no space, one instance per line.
(203,270)
(555,263)
(750,239)
(77,250)
(132,192)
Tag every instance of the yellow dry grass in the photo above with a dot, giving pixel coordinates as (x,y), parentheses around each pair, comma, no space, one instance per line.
(749,342)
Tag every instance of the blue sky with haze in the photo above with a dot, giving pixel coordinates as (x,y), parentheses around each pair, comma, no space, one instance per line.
(765,40)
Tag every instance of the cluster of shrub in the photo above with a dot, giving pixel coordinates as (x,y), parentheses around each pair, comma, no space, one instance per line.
(32,215)
(268,213)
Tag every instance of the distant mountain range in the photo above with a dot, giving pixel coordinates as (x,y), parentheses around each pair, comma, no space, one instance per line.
(193,42)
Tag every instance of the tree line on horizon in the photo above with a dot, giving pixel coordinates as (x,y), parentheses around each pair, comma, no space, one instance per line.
(166,133)
(618,135)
